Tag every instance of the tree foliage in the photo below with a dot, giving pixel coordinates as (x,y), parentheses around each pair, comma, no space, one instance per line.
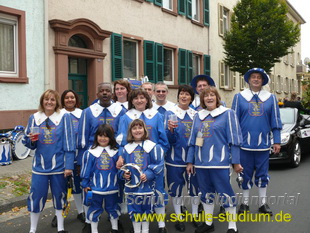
(260,35)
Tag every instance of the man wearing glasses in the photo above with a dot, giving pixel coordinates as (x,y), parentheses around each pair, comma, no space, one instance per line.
(162,104)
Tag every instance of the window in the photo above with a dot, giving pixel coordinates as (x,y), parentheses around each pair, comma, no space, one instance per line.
(243,84)
(279,84)
(224,19)
(168,66)
(196,64)
(292,58)
(167,4)
(287,85)
(12,46)
(196,10)
(271,83)
(293,85)
(130,59)
(227,77)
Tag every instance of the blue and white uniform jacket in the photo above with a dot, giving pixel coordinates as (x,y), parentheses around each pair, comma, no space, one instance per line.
(150,158)
(55,149)
(124,105)
(99,170)
(258,115)
(163,108)
(154,123)
(176,155)
(222,139)
(91,118)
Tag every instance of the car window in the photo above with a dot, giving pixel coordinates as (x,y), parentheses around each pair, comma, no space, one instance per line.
(287,115)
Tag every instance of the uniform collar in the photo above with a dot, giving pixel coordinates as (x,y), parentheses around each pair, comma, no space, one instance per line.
(147,145)
(196,101)
(97,109)
(125,104)
(248,95)
(167,106)
(77,112)
(40,117)
(181,113)
(214,113)
(99,149)
(135,114)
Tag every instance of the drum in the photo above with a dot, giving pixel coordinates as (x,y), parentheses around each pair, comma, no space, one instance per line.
(5,150)
(19,150)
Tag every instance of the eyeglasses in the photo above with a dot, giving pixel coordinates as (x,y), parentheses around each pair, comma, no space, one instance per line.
(161,91)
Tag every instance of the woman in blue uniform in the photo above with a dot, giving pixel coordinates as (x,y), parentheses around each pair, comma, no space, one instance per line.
(214,145)
(53,159)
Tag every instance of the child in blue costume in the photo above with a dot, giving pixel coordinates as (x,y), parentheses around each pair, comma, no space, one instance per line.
(149,156)
(53,159)
(140,107)
(99,174)
(259,116)
(178,134)
(214,145)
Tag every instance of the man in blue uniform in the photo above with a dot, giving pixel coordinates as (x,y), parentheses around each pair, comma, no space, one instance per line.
(259,117)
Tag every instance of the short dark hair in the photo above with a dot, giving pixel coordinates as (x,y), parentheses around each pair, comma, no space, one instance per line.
(107,131)
(202,79)
(123,83)
(186,88)
(139,91)
(135,122)
(63,95)
(207,91)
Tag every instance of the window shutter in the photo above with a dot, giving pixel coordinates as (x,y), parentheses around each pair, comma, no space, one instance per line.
(182,66)
(206,13)
(221,20)
(207,64)
(159,62)
(182,7)
(117,56)
(189,9)
(149,0)
(149,57)
(189,67)
(221,74)
(158,2)
(233,79)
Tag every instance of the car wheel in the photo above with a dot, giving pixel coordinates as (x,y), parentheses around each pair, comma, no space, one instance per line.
(296,155)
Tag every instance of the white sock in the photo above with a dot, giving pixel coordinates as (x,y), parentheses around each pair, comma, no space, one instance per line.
(245,196)
(232,217)
(34,219)
(78,202)
(176,201)
(262,195)
(114,223)
(208,208)
(137,227)
(94,227)
(85,211)
(60,220)
(161,211)
(145,227)
(195,204)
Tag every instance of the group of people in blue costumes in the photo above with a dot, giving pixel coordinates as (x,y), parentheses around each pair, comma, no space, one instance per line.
(191,145)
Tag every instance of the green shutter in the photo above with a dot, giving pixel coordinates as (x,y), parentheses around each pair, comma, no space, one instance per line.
(149,58)
(159,62)
(116,56)
(207,64)
(182,7)
(189,9)
(158,2)
(189,67)
(206,13)
(182,66)
(149,0)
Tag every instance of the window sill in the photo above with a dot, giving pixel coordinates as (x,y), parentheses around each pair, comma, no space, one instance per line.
(14,80)
(139,1)
(197,23)
(169,12)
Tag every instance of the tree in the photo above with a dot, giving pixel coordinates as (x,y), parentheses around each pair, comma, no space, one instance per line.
(260,35)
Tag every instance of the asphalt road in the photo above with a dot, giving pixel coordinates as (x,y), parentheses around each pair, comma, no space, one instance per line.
(289,198)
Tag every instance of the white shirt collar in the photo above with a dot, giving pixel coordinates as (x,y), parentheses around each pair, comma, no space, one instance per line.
(168,105)
(135,114)
(99,149)
(147,145)
(181,113)
(97,109)
(125,104)
(214,113)
(196,101)
(77,112)
(248,95)
(40,117)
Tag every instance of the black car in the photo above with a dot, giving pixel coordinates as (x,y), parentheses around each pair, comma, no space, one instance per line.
(295,137)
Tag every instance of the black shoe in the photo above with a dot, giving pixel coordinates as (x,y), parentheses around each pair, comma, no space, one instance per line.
(162,230)
(86,228)
(183,209)
(222,210)
(231,231)
(131,229)
(81,217)
(54,222)
(197,224)
(120,227)
(265,209)
(63,231)
(179,226)
(243,208)
(204,228)
(200,208)
(114,231)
